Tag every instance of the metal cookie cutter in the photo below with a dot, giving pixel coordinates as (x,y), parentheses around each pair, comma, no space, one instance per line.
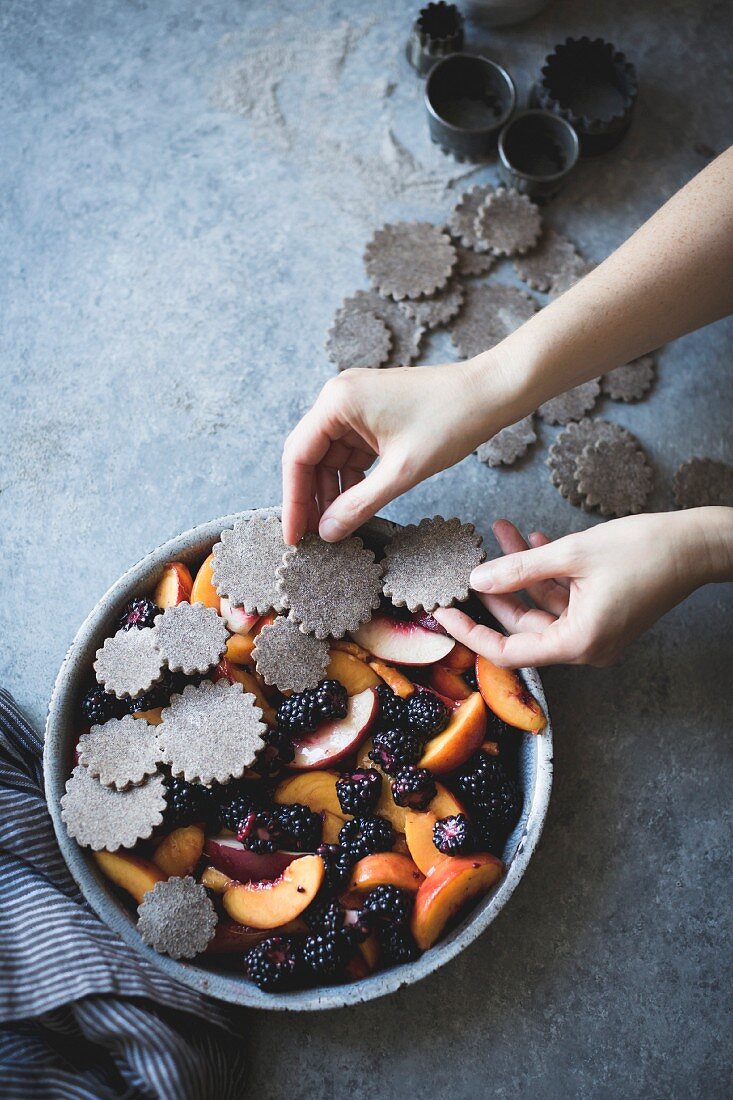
(437,32)
(537,152)
(468,99)
(590,84)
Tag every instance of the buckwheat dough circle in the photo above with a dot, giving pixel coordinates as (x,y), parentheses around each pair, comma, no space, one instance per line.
(615,477)
(358,340)
(507,223)
(409,259)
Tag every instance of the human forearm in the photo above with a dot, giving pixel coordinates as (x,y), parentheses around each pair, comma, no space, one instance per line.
(675,274)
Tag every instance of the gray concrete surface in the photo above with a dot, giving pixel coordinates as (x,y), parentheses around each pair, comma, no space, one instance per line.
(178,228)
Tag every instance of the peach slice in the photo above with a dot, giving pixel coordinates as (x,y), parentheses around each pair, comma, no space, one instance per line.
(272,903)
(505,694)
(153,717)
(231,937)
(419,837)
(331,827)
(334,740)
(174,586)
(314,789)
(369,949)
(215,880)
(203,590)
(353,673)
(229,855)
(397,680)
(239,648)
(454,881)
(179,852)
(133,873)
(356,968)
(343,645)
(460,658)
(461,737)
(385,869)
(266,620)
(237,619)
(236,675)
(402,642)
(448,683)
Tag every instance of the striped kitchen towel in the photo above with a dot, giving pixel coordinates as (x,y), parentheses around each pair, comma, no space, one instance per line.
(82,1015)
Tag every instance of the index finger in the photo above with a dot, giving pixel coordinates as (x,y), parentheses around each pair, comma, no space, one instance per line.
(304,448)
(523,650)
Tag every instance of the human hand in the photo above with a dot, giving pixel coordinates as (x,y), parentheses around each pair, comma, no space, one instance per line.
(416,420)
(593,592)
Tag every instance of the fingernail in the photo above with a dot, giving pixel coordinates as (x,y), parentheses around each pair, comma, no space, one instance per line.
(482,575)
(330,530)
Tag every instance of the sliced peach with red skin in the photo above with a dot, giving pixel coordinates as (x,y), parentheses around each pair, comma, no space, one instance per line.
(231,937)
(133,873)
(314,789)
(419,837)
(266,620)
(274,902)
(402,642)
(174,586)
(203,590)
(334,740)
(460,658)
(225,670)
(237,619)
(449,683)
(460,739)
(454,881)
(505,693)
(385,869)
(239,648)
(179,852)
(355,675)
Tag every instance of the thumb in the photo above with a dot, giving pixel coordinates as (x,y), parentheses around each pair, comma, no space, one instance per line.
(362,501)
(515,571)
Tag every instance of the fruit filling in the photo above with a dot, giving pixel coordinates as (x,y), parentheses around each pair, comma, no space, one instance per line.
(333,831)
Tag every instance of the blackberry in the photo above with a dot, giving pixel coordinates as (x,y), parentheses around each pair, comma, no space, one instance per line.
(414,787)
(98,706)
(302,828)
(395,749)
(426,713)
(453,836)
(275,964)
(470,678)
(188,803)
(392,713)
(158,696)
(260,832)
(358,792)
(338,863)
(485,784)
(139,613)
(389,905)
(397,945)
(331,700)
(305,710)
(364,836)
(493,797)
(277,752)
(324,914)
(327,954)
(235,805)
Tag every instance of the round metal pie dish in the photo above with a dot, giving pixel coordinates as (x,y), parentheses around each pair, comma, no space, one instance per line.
(61,733)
